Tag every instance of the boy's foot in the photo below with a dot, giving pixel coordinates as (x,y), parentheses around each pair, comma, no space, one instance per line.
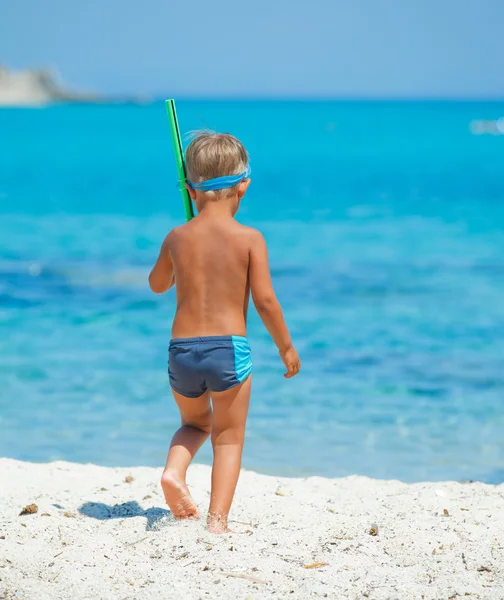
(217,524)
(178,497)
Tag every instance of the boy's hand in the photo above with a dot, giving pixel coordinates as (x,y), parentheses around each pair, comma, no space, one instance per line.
(291,361)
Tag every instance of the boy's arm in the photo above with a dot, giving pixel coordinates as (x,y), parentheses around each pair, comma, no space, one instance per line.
(267,305)
(162,276)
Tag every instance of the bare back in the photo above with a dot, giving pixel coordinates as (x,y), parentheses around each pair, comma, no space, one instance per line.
(211,267)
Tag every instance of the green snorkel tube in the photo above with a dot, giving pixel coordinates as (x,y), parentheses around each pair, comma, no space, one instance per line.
(179,158)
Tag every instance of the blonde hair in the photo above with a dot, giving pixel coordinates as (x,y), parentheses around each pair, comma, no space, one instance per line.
(211,155)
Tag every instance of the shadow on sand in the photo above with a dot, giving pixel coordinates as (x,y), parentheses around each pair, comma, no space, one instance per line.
(103,512)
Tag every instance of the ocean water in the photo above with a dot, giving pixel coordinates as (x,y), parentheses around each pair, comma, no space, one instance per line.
(385,223)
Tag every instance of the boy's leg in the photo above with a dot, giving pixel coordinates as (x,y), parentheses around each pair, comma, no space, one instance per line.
(196,415)
(228,434)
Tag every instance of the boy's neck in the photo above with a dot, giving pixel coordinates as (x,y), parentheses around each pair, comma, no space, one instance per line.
(222,207)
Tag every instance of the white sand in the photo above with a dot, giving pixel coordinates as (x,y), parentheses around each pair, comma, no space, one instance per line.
(119,543)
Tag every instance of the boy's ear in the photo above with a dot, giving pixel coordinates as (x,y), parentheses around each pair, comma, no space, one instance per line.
(192,192)
(243,187)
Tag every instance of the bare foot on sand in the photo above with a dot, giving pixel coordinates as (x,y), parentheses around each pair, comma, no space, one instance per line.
(217,524)
(178,497)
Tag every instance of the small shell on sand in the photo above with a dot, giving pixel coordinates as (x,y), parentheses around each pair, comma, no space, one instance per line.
(30,509)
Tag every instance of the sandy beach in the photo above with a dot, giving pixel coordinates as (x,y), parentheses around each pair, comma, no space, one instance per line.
(105,533)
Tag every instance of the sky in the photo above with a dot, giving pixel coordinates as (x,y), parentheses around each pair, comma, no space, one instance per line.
(263,48)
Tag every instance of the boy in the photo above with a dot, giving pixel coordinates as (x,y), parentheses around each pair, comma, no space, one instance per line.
(215,263)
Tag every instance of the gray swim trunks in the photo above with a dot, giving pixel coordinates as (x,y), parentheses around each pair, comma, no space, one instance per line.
(214,363)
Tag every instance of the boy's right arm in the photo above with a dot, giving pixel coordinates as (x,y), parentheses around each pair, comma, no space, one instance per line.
(162,276)
(267,305)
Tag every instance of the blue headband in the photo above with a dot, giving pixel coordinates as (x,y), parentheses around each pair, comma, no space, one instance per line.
(220,183)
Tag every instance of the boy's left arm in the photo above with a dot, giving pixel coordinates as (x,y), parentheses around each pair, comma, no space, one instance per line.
(162,276)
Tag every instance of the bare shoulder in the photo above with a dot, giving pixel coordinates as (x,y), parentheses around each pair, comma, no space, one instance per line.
(172,236)
(251,235)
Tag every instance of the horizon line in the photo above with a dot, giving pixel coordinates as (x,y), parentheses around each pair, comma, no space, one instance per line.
(342,98)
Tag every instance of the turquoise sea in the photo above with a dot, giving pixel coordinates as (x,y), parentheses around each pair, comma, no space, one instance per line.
(385,223)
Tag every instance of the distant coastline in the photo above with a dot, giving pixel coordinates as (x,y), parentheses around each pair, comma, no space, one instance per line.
(40,87)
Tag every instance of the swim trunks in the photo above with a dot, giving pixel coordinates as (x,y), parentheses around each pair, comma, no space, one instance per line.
(214,363)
